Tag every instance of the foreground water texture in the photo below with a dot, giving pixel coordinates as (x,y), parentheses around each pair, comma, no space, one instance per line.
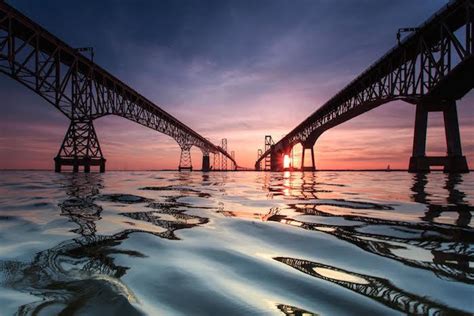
(330,243)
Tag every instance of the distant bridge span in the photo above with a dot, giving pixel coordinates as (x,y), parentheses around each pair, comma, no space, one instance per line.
(433,68)
(83,92)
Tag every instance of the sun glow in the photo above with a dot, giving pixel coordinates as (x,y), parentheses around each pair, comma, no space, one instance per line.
(286,162)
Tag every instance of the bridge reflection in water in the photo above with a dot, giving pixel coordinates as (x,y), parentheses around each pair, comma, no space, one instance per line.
(82,273)
(378,289)
(427,242)
(86,272)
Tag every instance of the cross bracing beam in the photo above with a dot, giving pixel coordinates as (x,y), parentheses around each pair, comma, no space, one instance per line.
(75,85)
(433,64)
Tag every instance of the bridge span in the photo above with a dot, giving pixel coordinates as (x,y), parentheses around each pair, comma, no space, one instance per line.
(431,68)
(83,92)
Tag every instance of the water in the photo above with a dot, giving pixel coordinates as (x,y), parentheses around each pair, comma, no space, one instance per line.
(166,243)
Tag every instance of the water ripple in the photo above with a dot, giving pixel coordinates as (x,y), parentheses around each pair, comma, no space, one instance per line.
(236,243)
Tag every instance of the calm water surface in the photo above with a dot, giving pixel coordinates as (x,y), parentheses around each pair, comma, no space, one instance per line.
(168,243)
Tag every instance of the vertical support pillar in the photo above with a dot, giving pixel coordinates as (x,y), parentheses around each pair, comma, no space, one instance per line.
(185,157)
(276,159)
(205,162)
(216,163)
(302,158)
(102,166)
(258,165)
(451,127)
(418,160)
(455,161)
(234,166)
(224,157)
(292,161)
(87,165)
(80,147)
(57,165)
(268,158)
(308,145)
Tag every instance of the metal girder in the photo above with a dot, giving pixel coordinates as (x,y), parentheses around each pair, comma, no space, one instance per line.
(224,159)
(268,145)
(77,86)
(411,71)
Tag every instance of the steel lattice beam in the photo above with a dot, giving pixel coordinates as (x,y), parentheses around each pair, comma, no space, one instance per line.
(435,63)
(75,85)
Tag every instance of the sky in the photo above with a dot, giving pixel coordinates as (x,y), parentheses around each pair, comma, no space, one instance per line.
(238,69)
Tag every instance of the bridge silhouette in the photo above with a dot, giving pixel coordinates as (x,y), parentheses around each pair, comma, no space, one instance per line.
(83,92)
(431,68)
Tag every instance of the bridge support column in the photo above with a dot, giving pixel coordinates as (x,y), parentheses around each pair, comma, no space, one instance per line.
(185,158)
(454,161)
(308,146)
(80,147)
(206,162)
(216,162)
(276,159)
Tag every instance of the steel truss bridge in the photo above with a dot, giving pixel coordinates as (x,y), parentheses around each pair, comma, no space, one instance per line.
(432,68)
(83,92)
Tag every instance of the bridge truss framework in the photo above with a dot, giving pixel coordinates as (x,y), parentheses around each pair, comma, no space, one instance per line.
(431,68)
(83,92)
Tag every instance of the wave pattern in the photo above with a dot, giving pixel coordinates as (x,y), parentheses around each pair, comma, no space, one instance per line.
(236,243)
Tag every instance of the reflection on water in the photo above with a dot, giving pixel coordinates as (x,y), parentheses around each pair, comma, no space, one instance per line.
(444,249)
(71,275)
(294,311)
(137,243)
(378,289)
(455,201)
(77,272)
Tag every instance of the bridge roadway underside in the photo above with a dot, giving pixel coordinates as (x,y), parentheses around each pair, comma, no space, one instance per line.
(453,162)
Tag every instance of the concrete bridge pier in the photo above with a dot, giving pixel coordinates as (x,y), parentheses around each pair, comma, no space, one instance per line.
(206,163)
(308,145)
(276,159)
(454,161)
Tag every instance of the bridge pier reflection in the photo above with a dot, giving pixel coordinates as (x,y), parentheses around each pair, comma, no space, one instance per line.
(454,161)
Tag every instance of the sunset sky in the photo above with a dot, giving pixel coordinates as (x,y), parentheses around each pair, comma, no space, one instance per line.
(234,69)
